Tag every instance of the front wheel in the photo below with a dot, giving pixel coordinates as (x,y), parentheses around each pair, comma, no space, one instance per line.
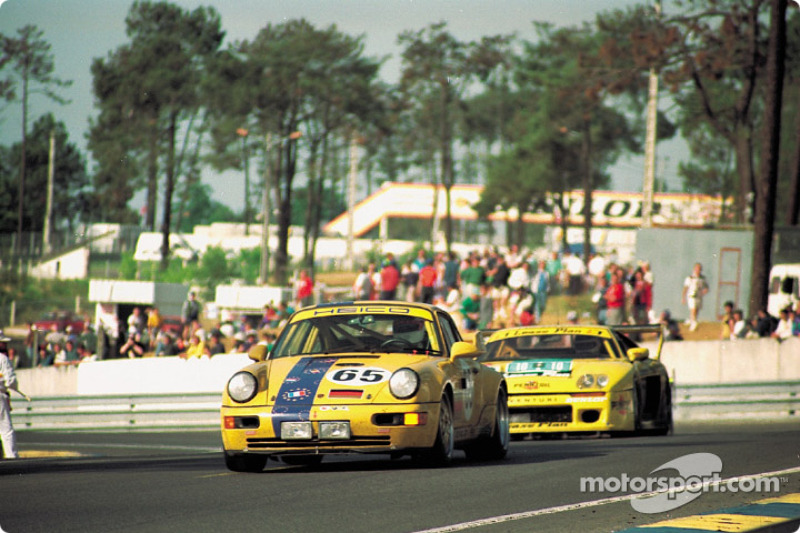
(245,462)
(494,446)
(442,452)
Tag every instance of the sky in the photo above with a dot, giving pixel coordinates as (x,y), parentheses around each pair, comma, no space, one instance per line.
(81,30)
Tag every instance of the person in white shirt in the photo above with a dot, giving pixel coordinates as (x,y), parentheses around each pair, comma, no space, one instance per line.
(784,329)
(8,381)
(739,328)
(576,270)
(695,287)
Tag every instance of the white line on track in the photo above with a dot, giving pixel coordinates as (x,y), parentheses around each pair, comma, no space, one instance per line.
(594,503)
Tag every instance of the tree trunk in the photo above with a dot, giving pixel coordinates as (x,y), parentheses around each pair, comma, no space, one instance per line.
(23,156)
(764,208)
(152,181)
(286,171)
(448,174)
(588,186)
(744,170)
(794,172)
(168,190)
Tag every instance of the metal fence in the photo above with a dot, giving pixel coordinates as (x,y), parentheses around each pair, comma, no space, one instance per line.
(129,412)
(767,401)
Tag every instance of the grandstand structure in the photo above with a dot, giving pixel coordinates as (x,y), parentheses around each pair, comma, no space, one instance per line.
(612,209)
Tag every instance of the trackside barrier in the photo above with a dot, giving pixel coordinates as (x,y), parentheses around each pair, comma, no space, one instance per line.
(132,412)
(124,412)
(768,400)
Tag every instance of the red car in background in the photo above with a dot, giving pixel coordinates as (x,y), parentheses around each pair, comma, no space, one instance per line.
(61,319)
(173,325)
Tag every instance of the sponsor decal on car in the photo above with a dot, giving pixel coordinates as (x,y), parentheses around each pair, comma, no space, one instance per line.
(296,396)
(358,377)
(540,367)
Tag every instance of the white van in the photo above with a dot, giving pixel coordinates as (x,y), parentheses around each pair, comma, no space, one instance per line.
(784,287)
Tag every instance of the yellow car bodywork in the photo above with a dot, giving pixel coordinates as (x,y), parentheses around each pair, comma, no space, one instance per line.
(602,382)
(305,380)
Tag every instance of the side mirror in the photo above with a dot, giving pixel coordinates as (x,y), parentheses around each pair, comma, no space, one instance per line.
(638,354)
(258,352)
(463,350)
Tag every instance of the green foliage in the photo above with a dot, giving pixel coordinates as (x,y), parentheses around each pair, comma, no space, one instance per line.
(32,297)
(71,196)
(213,267)
(246,265)
(128,267)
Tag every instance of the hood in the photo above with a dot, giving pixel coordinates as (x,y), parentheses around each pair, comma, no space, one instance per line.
(339,379)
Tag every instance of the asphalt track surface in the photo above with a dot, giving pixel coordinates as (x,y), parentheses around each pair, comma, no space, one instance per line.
(176,482)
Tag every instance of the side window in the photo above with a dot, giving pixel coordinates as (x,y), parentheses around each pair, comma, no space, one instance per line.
(786,284)
(449,331)
(774,285)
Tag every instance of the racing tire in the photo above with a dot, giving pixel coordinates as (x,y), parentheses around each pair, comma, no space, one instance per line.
(637,415)
(637,419)
(245,462)
(668,428)
(441,454)
(495,446)
(302,460)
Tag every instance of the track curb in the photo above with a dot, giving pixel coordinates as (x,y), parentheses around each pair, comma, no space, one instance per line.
(779,514)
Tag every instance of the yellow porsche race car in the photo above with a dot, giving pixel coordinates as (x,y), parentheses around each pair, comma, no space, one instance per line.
(364,377)
(581,379)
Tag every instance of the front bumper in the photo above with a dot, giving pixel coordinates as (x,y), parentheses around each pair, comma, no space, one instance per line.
(571,412)
(373,429)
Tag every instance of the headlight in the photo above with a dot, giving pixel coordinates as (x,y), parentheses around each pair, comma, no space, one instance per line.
(404,383)
(585,381)
(242,387)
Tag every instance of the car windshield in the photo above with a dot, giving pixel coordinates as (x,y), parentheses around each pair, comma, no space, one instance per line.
(357,333)
(560,346)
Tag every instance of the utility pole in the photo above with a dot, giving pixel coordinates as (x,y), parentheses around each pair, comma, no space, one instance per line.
(48,210)
(242,132)
(266,208)
(650,143)
(351,200)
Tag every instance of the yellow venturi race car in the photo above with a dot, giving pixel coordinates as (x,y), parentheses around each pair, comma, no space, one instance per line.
(364,377)
(581,379)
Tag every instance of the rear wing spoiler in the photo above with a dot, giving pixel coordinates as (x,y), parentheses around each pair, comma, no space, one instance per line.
(645,328)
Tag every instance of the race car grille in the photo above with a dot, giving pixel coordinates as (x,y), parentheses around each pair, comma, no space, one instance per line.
(356,442)
(542,414)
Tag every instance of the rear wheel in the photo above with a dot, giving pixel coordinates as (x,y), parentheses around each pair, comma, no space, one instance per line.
(667,426)
(245,462)
(494,446)
(442,452)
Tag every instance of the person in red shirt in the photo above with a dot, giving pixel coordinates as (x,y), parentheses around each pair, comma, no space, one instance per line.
(427,281)
(390,278)
(642,298)
(305,289)
(615,300)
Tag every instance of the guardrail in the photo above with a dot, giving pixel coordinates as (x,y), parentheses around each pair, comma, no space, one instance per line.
(132,412)
(126,412)
(770,400)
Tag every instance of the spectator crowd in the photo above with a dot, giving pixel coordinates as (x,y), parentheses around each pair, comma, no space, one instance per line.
(483,290)
(762,324)
(490,289)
